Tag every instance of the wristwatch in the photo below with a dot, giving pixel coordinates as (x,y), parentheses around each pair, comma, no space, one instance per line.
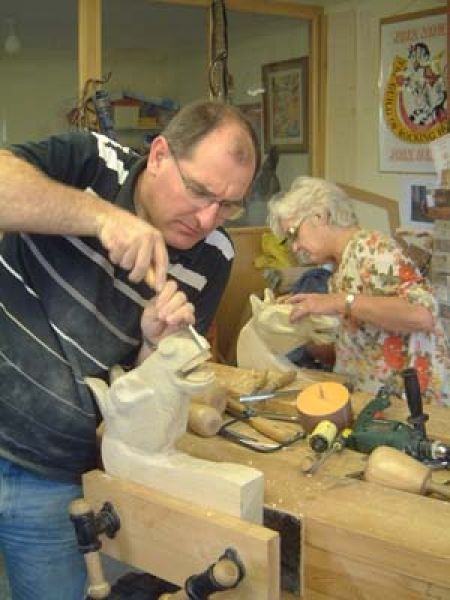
(349,299)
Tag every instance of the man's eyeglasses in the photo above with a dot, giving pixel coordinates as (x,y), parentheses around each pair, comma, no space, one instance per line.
(201,197)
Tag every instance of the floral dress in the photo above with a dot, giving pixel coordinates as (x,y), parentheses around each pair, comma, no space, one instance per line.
(373,264)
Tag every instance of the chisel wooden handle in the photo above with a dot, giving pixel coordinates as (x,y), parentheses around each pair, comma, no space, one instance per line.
(204,420)
(390,467)
(272,430)
(150,279)
(437,488)
(215,395)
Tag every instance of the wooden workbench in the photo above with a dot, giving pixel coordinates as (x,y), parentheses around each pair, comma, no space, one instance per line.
(362,541)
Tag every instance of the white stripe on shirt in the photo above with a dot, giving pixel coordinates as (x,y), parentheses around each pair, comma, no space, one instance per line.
(76,295)
(43,388)
(187,276)
(221,242)
(109,155)
(104,264)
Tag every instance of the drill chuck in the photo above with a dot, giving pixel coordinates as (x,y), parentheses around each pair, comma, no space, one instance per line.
(429,450)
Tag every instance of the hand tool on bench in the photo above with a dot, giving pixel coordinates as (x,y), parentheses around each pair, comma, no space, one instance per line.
(371,430)
(265,426)
(272,416)
(204,420)
(311,464)
(267,395)
(250,442)
(393,468)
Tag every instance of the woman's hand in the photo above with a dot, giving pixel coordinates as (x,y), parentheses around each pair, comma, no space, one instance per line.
(315,304)
(166,313)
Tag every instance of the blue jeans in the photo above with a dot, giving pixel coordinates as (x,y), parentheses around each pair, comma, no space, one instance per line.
(37,536)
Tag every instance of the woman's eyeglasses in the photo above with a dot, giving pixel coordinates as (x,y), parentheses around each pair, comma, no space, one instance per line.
(291,234)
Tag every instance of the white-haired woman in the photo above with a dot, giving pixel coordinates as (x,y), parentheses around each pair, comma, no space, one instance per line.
(388,314)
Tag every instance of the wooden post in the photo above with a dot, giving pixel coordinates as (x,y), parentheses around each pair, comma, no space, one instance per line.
(89,42)
(448,57)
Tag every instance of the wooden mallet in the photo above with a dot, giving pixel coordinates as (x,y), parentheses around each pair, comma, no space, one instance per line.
(392,468)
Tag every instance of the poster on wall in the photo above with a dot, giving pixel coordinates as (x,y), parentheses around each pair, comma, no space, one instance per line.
(412,86)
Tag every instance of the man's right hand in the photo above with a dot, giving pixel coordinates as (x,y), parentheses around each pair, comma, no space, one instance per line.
(134,245)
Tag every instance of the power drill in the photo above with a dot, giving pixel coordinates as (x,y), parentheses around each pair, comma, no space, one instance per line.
(370,431)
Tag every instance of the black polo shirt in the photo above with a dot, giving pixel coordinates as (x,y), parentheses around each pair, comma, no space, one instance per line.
(67,312)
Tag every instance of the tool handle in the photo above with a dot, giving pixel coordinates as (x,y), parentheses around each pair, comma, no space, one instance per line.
(412,391)
(237,408)
(271,430)
(204,420)
(223,575)
(414,399)
(265,426)
(98,587)
(150,278)
(180,595)
(226,572)
(437,488)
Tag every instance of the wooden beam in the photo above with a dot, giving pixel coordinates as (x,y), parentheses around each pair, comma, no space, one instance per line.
(267,7)
(390,205)
(173,539)
(89,42)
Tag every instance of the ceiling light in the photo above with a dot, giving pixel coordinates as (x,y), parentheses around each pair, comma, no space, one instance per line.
(12,43)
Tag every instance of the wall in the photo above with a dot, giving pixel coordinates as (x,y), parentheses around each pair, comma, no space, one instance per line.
(37,89)
(352,95)
(273,39)
(39,86)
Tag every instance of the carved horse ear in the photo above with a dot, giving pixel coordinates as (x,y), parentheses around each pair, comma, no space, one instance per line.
(115,372)
(100,391)
(255,303)
(269,296)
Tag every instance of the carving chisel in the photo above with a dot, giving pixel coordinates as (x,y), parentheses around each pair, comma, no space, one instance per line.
(259,396)
(201,342)
(265,426)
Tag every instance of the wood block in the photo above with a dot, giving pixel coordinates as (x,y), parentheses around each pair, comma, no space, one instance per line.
(235,489)
(173,539)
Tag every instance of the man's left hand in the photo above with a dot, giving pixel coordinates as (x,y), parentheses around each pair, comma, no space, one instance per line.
(168,312)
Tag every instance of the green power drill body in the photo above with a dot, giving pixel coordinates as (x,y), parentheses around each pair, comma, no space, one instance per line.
(370,431)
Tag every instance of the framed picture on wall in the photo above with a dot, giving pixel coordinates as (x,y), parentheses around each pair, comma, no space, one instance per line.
(413,96)
(285,105)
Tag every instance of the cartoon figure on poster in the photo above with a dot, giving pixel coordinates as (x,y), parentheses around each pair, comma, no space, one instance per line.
(421,89)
